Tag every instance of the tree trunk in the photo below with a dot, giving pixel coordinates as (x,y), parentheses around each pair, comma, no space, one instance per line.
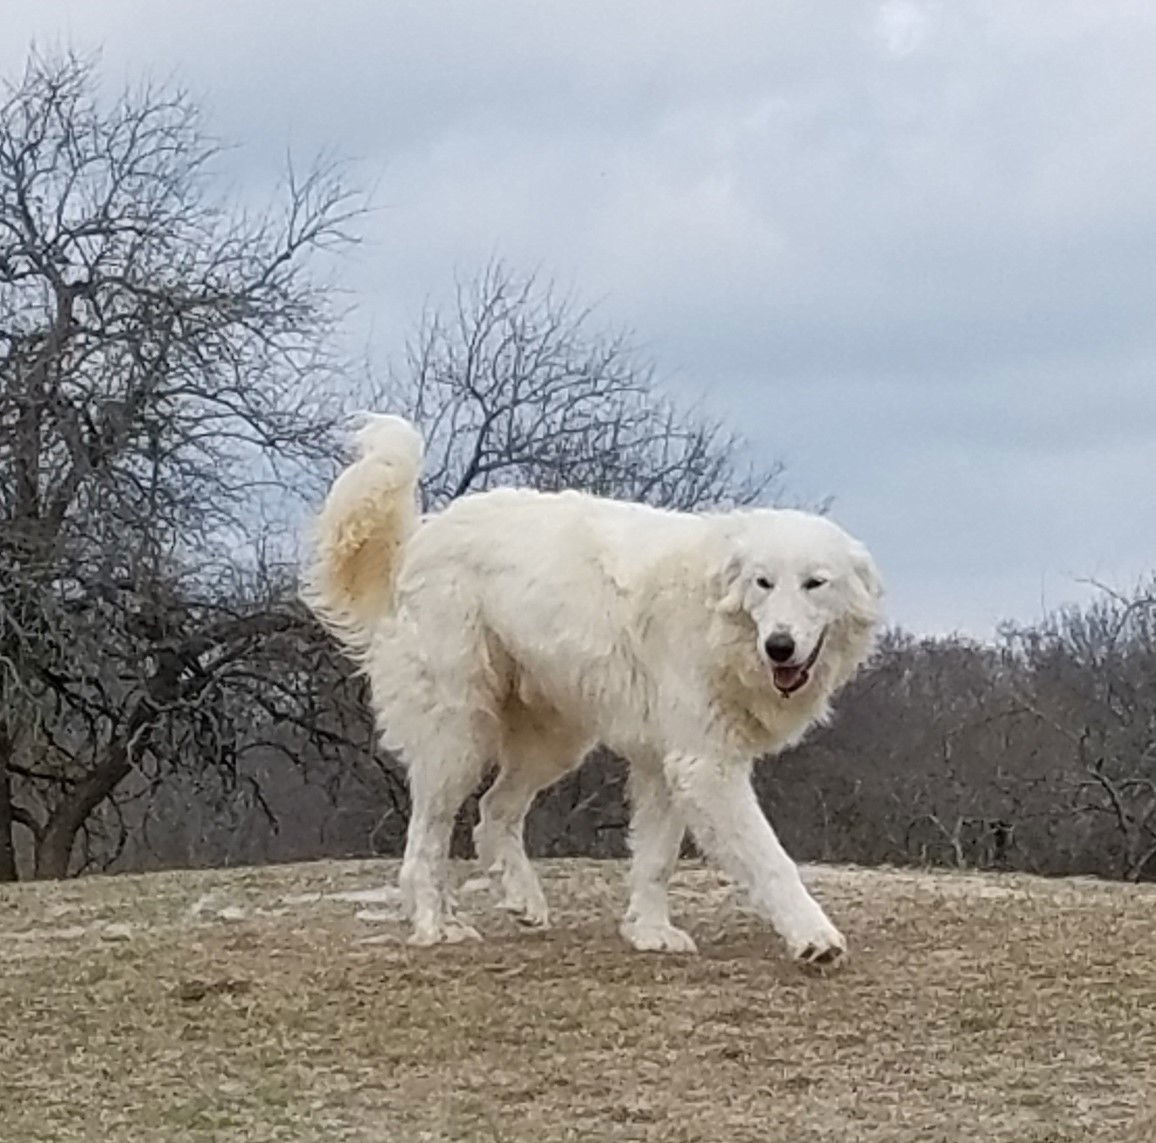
(7,845)
(54,847)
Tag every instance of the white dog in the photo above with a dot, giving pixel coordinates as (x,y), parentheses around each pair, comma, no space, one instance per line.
(522,628)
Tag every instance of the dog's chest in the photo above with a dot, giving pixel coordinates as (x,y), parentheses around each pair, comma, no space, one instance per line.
(758,721)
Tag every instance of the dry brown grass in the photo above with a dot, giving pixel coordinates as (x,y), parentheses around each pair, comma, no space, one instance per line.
(975,1008)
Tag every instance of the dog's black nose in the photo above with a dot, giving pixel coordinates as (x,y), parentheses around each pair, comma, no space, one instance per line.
(780,647)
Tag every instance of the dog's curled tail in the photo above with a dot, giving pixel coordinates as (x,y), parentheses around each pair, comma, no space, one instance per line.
(362,529)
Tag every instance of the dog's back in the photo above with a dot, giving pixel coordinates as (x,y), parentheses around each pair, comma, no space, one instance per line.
(564,583)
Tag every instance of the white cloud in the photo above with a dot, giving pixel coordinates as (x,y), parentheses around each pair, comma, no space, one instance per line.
(902,26)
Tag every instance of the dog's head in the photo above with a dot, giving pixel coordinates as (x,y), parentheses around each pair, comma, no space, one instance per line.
(808,592)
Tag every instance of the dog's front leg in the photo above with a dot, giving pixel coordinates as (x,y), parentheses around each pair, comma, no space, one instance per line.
(719,802)
(656,832)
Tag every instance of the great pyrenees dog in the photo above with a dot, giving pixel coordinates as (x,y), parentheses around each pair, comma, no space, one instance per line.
(522,628)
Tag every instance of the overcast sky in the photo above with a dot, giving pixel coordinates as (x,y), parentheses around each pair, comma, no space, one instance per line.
(907,247)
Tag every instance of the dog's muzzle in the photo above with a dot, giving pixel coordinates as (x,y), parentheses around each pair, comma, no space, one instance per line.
(789,679)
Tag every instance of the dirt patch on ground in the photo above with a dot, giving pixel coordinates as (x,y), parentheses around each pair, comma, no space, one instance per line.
(282,1004)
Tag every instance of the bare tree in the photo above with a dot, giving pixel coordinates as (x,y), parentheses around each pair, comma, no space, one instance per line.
(164,375)
(513,386)
(1090,680)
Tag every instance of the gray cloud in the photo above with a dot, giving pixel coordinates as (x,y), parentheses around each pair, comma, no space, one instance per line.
(905,246)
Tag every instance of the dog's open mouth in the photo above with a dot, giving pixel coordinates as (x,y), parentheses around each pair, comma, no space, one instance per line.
(791,678)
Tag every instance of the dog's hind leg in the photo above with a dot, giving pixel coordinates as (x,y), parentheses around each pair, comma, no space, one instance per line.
(442,774)
(434,693)
(533,756)
(656,832)
(500,844)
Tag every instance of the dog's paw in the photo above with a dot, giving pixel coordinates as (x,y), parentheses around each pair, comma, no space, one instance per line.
(529,910)
(519,893)
(833,955)
(810,937)
(649,937)
(447,931)
(823,947)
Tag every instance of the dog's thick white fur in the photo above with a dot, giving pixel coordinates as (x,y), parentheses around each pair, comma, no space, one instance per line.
(522,628)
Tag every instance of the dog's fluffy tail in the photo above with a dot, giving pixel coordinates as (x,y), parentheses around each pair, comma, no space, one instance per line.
(362,529)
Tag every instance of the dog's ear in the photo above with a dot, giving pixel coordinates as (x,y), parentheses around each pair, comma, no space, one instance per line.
(868,583)
(728,585)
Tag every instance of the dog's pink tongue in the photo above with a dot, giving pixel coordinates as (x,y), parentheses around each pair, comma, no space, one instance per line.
(789,679)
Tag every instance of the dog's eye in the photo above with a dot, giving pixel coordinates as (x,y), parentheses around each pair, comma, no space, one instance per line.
(812,583)
(764,583)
